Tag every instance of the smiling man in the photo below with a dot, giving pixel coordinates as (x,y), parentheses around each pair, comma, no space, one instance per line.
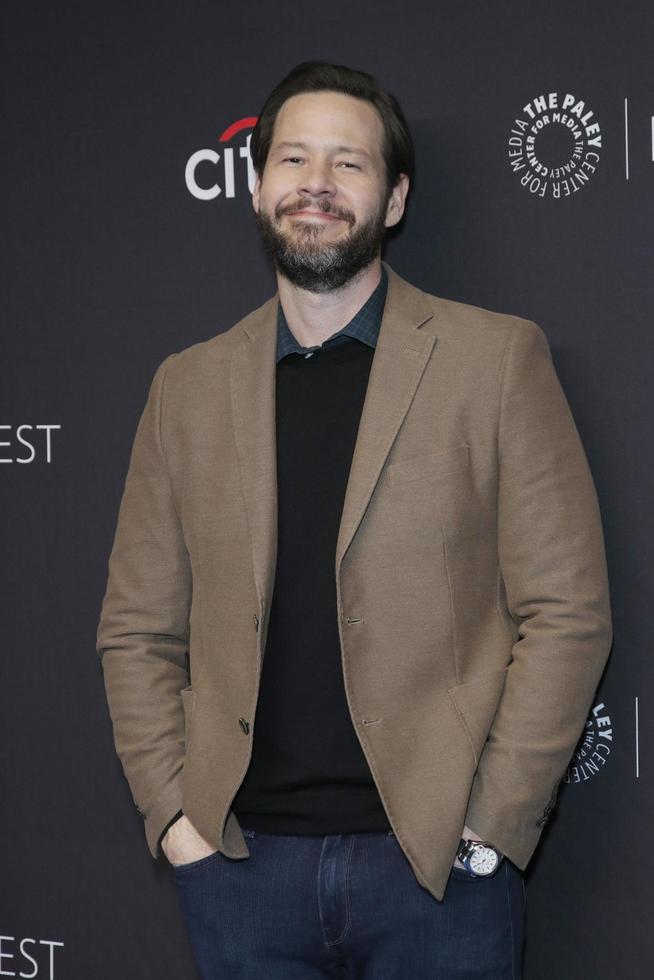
(324,206)
(358,604)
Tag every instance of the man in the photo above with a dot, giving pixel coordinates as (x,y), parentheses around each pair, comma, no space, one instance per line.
(384,493)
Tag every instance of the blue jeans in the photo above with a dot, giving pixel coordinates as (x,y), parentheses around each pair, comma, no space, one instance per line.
(349,906)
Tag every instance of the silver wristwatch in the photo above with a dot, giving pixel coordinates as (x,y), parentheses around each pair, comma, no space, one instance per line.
(479,857)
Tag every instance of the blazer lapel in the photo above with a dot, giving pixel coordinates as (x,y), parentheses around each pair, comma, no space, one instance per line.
(252,377)
(400,358)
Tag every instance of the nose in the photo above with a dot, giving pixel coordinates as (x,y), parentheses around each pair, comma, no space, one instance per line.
(316,180)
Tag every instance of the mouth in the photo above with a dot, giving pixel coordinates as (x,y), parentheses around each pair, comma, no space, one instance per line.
(324,216)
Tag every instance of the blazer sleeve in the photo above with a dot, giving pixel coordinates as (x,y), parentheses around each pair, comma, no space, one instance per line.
(553,577)
(143,633)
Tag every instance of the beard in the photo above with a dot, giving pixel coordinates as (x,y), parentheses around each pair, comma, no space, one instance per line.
(314,264)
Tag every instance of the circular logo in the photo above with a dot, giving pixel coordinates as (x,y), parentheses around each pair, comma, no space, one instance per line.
(593,748)
(554,147)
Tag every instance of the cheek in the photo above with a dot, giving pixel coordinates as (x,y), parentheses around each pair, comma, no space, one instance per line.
(368,202)
(282,195)
(272,192)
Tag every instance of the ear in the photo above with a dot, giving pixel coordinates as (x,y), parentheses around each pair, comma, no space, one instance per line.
(255,194)
(397,201)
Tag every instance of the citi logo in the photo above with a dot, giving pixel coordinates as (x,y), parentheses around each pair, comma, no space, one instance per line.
(210,173)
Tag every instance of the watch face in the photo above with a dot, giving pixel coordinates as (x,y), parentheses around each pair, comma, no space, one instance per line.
(483,861)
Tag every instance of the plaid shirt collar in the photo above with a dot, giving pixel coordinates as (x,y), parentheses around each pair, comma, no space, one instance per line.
(363,326)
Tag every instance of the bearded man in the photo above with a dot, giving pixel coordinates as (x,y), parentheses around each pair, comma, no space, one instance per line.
(357,605)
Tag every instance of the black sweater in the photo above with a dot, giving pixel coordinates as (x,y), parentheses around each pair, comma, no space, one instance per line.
(308,773)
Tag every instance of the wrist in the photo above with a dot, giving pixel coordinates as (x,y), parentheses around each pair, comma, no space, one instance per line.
(469,834)
(168,826)
(479,857)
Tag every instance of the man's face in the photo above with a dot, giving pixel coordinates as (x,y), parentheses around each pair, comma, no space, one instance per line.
(321,204)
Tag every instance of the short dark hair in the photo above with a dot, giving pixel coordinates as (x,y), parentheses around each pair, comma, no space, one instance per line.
(321,76)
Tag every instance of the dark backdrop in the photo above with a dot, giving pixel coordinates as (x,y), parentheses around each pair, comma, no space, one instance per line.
(111,262)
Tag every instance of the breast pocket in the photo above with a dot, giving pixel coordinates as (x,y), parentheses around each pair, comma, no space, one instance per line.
(428,465)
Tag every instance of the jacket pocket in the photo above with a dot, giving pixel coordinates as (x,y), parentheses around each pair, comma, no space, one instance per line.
(430,464)
(476,703)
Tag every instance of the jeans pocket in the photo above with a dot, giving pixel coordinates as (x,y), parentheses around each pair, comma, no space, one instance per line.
(193,865)
(462,874)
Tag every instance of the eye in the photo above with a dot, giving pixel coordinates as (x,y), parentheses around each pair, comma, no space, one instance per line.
(349,164)
(291,158)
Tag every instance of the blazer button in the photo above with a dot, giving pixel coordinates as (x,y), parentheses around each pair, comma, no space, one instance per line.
(245,725)
(256,622)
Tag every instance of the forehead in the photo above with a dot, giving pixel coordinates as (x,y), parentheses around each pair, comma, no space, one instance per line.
(324,119)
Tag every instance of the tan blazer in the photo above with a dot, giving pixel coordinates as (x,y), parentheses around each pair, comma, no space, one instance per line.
(473,602)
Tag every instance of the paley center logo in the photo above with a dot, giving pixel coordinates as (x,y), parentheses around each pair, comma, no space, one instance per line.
(593,748)
(554,147)
(210,173)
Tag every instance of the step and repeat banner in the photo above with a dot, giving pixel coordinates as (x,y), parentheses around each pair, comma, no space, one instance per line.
(129,233)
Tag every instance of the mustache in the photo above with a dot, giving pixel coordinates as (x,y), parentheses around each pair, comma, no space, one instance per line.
(307,203)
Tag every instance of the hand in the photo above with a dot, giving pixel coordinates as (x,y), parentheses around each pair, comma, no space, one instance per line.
(182,843)
(468,835)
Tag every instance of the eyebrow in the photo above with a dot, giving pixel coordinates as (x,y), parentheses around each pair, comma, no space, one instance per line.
(337,149)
